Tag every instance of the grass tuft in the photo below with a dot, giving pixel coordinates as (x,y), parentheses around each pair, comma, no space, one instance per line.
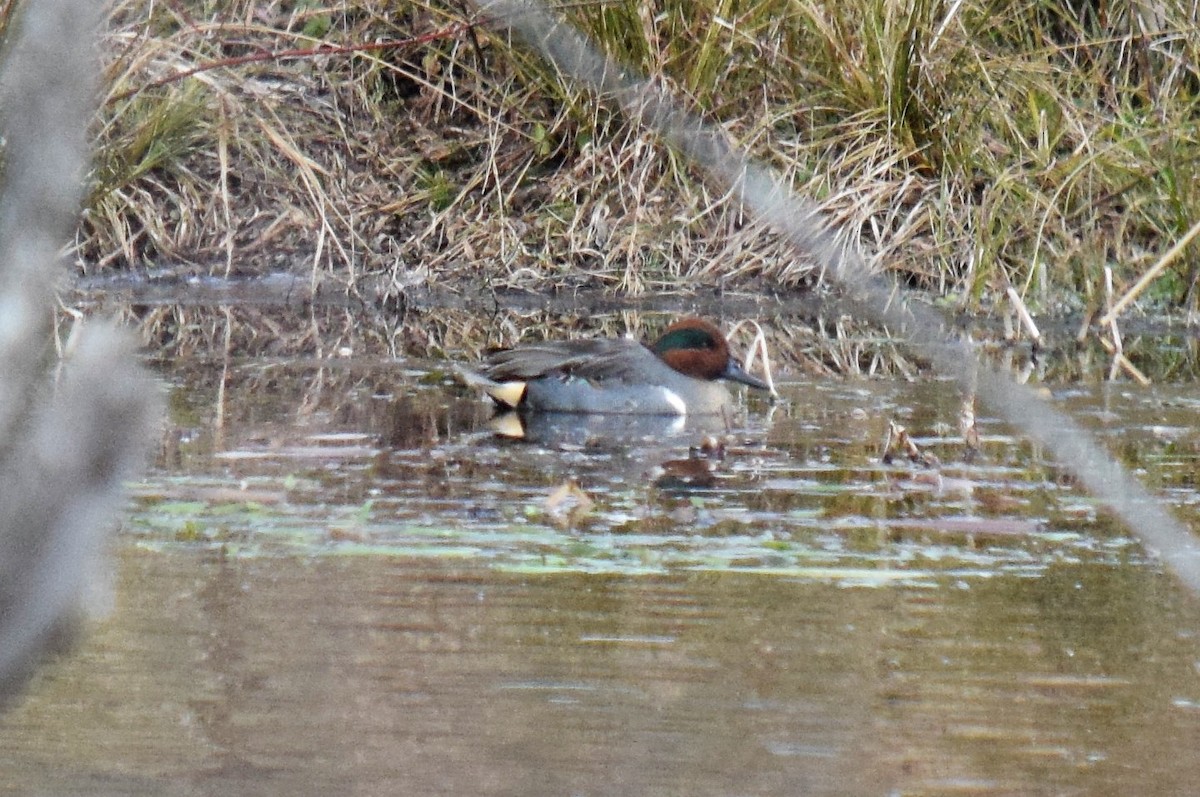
(964,146)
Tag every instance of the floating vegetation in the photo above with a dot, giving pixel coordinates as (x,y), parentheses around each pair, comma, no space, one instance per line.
(798,491)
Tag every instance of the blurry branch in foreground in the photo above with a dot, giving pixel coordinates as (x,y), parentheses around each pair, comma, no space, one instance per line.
(864,295)
(66,445)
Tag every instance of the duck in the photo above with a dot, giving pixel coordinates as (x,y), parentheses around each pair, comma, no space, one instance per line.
(681,373)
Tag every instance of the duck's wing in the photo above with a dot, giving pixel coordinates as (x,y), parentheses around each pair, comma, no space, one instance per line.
(592,359)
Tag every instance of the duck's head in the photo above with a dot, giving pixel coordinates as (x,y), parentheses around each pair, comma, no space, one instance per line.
(697,348)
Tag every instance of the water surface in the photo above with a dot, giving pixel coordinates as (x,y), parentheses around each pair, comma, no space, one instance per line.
(337,579)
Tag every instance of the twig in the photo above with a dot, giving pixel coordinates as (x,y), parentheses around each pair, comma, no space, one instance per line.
(1117,348)
(1120,360)
(757,346)
(1151,274)
(1027,321)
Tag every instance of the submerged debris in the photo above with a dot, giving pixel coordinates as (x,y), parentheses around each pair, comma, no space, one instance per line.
(568,504)
(898,441)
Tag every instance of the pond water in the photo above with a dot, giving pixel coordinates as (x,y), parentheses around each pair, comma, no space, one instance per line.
(339,579)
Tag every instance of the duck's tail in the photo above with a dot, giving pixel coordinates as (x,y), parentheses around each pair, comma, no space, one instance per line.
(507,395)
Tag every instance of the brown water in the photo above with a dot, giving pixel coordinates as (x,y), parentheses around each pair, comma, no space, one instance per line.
(338,580)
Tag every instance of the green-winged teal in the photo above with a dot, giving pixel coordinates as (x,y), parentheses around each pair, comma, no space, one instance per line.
(676,375)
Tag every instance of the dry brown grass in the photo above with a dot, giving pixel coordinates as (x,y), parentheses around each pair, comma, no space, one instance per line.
(963,148)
